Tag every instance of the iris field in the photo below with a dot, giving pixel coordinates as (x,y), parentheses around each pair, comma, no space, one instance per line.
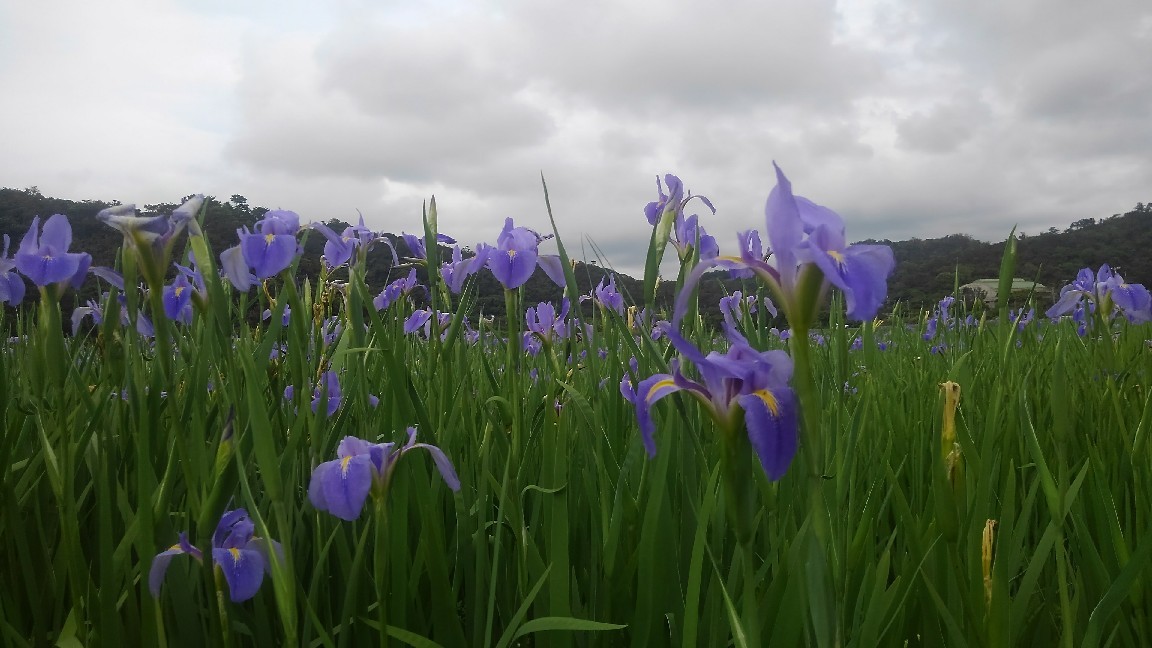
(825,469)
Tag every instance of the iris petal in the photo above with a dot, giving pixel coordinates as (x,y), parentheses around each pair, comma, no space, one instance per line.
(773,435)
(340,487)
(243,570)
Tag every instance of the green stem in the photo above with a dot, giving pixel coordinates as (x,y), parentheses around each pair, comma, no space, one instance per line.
(380,568)
(512,367)
(803,381)
(751,609)
(221,604)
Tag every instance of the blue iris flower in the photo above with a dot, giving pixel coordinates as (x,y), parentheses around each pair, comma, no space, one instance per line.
(341,486)
(742,384)
(240,555)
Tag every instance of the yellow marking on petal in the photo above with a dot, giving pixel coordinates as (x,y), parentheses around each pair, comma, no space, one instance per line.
(174,547)
(235,554)
(836,256)
(732,258)
(511,254)
(344,466)
(179,289)
(269,237)
(769,400)
(667,382)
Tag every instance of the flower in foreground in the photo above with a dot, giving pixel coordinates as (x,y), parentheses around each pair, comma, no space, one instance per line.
(808,238)
(240,555)
(151,237)
(341,486)
(44,258)
(265,253)
(742,385)
(513,259)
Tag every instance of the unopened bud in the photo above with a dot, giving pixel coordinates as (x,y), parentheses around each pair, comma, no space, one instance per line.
(948,431)
(987,543)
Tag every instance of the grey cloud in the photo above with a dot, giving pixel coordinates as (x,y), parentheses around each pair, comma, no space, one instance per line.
(943,128)
(646,57)
(384,102)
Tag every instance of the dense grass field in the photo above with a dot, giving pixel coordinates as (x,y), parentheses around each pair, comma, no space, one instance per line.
(174,474)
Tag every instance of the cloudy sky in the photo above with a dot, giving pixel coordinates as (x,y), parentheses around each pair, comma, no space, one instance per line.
(909,117)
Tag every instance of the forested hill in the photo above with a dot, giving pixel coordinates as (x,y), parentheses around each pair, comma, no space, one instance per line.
(926,269)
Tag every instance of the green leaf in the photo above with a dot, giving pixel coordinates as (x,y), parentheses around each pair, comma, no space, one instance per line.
(571,624)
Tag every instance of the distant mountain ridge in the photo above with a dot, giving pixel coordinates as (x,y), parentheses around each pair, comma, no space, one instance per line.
(926,269)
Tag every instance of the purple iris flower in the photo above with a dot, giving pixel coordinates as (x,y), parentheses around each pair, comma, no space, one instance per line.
(91,309)
(263,253)
(328,388)
(606,295)
(672,204)
(284,319)
(1132,300)
(742,382)
(11,285)
(1107,287)
(395,290)
(421,320)
(417,320)
(274,246)
(44,257)
(945,307)
(151,236)
(459,269)
(736,306)
(930,329)
(544,323)
(513,259)
(341,486)
(416,245)
(805,235)
(178,300)
(240,555)
(686,230)
(338,249)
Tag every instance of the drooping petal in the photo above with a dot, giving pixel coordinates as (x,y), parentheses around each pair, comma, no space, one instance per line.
(236,268)
(267,547)
(553,267)
(243,571)
(109,275)
(866,271)
(1069,300)
(512,267)
(83,261)
(161,561)
(11,288)
(646,393)
(442,464)
(771,421)
(340,487)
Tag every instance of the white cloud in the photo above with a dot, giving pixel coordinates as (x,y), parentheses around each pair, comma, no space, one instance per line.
(911,119)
